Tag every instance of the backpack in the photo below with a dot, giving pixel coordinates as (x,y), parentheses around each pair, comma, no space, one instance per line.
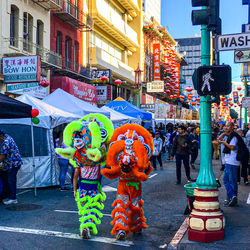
(242,152)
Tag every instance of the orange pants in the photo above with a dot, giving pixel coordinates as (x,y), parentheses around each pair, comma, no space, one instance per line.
(128,213)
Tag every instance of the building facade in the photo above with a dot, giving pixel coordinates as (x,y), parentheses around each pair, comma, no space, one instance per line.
(191,49)
(26,32)
(115,47)
(152,9)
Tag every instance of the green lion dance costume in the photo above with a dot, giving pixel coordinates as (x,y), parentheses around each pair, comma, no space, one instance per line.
(88,140)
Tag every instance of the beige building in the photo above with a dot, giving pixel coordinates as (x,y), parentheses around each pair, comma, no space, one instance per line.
(152,8)
(25,31)
(115,42)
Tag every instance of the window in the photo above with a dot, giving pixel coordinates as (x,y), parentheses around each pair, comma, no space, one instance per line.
(67,52)
(39,37)
(14,17)
(76,56)
(59,42)
(27,32)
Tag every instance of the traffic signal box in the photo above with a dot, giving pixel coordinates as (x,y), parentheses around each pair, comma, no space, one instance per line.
(208,16)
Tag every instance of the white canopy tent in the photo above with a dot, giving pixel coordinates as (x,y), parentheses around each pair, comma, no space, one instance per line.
(118,118)
(65,101)
(44,159)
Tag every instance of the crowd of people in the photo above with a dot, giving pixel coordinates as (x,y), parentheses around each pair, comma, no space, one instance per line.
(230,144)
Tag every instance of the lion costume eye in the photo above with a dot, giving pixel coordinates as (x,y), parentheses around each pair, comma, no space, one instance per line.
(104,134)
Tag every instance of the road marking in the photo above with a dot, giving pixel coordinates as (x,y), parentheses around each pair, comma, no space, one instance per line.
(75,212)
(26,191)
(65,235)
(153,175)
(179,235)
(109,189)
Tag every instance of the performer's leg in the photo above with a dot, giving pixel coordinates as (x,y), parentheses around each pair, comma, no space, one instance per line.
(121,211)
(89,200)
(136,214)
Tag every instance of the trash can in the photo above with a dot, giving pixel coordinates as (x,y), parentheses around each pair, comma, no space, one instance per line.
(189,191)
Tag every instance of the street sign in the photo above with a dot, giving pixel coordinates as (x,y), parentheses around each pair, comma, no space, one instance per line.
(214,80)
(245,102)
(242,56)
(234,41)
(155,87)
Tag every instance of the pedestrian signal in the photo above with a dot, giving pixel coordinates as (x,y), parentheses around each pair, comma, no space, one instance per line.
(214,80)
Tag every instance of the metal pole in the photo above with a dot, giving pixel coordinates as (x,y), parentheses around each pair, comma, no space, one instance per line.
(245,94)
(241,125)
(206,179)
(33,156)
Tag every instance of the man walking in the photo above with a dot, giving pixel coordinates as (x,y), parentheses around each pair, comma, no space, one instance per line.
(181,147)
(157,141)
(194,139)
(231,164)
(11,159)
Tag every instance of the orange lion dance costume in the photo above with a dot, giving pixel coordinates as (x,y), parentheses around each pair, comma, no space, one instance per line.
(128,158)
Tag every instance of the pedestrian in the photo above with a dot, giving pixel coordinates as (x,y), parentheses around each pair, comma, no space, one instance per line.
(215,144)
(242,171)
(181,148)
(168,143)
(233,155)
(157,141)
(194,146)
(247,141)
(63,162)
(11,163)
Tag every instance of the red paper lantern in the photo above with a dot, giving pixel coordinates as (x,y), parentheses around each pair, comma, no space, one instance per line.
(198,104)
(189,89)
(230,99)
(118,82)
(186,102)
(239,88)
(34,112)
(222,98)
(193,103)
(168,91)
(198,99)
(104,78)
(240,95)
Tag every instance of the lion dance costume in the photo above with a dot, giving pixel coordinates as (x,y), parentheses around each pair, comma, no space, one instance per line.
(128,158)
(87,140)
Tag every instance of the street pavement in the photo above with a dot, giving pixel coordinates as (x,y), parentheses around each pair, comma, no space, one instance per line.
(50,220)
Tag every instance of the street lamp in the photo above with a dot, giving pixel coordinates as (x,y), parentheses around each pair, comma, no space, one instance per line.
(138,72)
(245,78)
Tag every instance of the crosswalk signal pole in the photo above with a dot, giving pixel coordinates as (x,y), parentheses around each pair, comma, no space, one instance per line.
(206,222)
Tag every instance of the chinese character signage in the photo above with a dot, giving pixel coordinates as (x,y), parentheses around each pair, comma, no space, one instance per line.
(235,96)
(22,69)
(155,87)
(157,67)
(103,93)
(96,75)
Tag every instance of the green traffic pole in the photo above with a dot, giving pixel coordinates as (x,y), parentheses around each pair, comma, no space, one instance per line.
(206,179)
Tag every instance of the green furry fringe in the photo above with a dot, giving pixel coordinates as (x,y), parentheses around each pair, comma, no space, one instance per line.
(91,205)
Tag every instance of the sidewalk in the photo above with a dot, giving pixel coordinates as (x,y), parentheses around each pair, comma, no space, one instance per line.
(237,230)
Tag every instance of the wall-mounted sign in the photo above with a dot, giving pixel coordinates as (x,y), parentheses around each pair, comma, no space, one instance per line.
(148,107)
(155,87)
(96,75)
(22,69)
(30,88)
(157,57)
(245,102)
(241,56)
(104,93)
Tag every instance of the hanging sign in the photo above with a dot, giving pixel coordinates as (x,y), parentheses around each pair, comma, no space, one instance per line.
(157,57)
(241,56)
(155,87)
(22,69)
(245,102)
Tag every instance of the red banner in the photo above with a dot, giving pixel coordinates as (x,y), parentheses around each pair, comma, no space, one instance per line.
(157,57)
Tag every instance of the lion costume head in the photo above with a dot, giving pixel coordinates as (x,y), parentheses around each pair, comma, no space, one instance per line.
(128,155)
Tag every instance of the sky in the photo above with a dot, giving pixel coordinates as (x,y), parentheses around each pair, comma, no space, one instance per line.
(176,16)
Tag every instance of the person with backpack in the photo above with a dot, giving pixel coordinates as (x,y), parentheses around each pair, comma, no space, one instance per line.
(234,153)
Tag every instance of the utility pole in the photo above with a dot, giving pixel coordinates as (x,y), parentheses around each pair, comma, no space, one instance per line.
(206,194)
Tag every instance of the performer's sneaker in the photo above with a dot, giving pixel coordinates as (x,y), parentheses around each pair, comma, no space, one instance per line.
(85,233)
(121,235)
